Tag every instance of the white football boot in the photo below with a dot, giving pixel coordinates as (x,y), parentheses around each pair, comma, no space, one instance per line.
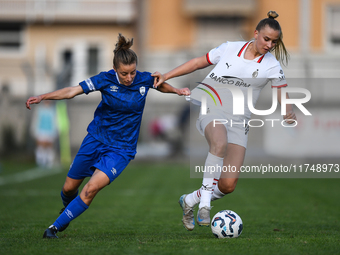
(203,216)
(188,214)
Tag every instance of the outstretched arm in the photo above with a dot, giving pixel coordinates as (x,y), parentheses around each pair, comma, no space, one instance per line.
(167,88)
(290,115)
(65,93)
(188,67)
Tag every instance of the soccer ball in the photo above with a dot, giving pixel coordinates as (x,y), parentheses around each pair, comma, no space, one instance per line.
(226,224)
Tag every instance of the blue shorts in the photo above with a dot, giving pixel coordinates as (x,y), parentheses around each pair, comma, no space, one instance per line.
(94,154)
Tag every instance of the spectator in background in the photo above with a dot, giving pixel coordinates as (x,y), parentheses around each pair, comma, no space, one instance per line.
(44,129)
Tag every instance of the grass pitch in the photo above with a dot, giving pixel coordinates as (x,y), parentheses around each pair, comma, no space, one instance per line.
(139,214)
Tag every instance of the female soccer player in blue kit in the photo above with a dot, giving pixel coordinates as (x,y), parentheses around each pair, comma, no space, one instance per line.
(112,135)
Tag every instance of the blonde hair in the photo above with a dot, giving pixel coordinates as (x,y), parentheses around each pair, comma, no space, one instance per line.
(123,54)
(280,50)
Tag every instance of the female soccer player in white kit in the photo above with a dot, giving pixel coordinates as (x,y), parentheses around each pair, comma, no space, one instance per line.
(242,66)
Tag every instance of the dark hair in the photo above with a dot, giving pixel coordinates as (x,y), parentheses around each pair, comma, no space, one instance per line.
(281,52)
(123,54)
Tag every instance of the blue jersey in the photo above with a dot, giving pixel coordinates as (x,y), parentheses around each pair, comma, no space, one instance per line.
(118,116)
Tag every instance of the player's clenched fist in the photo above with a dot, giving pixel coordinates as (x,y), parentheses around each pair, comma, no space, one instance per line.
(184,92)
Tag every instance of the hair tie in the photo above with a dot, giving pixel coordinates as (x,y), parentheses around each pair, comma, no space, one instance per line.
(272,14)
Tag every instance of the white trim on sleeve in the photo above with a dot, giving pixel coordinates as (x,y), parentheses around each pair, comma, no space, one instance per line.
(90,84)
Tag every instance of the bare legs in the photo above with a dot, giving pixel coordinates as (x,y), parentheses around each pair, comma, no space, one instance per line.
(98,181)
(232,154)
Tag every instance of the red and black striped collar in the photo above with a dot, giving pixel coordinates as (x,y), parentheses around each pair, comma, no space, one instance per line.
(245,46)
(242,49)
(260,59)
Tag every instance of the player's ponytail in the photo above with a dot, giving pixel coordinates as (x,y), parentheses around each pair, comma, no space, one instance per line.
(280,50)
(123,54)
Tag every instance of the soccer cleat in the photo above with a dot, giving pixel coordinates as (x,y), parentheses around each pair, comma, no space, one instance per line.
(203,216)
(51,232)
(188,214)
(63,228)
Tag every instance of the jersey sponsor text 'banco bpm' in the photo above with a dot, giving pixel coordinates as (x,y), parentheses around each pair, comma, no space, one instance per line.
(232,69)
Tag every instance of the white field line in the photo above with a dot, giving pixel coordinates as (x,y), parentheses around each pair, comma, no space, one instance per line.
(29,175)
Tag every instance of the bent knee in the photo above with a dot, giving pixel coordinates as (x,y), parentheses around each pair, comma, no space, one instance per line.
(71,186)
(226,187)
(219,148)
(69,190)
(90,190)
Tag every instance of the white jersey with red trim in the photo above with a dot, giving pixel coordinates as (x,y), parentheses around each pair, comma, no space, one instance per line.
(234,74)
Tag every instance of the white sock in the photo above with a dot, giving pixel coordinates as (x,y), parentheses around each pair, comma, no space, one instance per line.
(210,178)
(49,157)
(217,194)
(39,156)
(193,198)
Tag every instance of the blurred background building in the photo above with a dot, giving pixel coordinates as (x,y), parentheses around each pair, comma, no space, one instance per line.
(50,44)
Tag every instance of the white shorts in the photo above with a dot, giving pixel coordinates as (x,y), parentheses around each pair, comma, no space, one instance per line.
(237,127)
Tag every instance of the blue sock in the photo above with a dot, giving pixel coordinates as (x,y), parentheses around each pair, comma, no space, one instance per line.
(72,211)
(66,200)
